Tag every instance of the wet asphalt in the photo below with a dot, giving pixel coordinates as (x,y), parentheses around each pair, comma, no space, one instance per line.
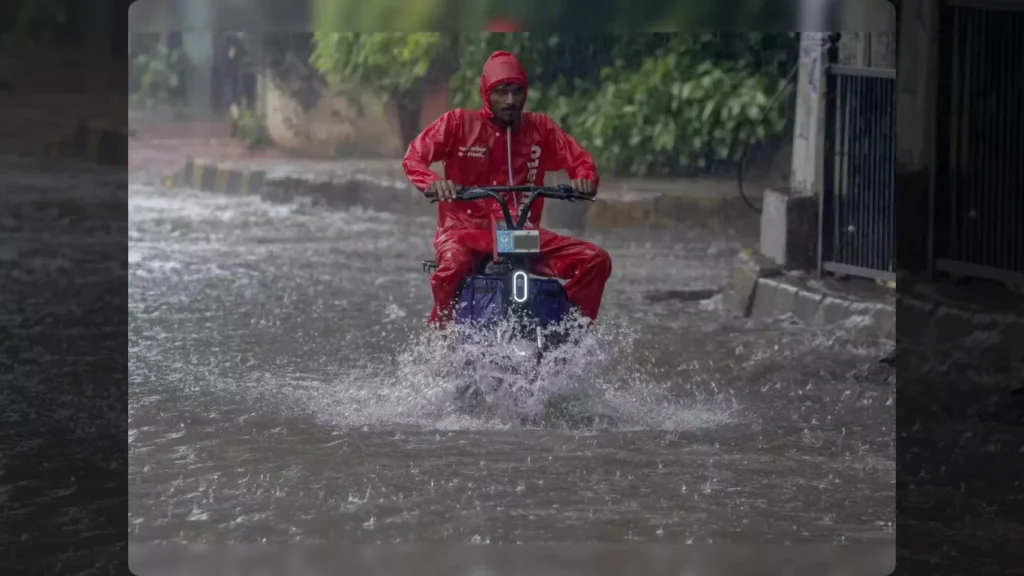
(278,391)
(281,391)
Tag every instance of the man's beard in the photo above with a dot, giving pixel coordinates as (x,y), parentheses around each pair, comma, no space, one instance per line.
(509,115)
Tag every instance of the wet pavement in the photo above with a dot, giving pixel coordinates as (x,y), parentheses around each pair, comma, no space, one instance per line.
(63,269)
(281,391)
(259,410)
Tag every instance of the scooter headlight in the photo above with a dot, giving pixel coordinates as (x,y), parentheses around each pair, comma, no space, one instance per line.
(520,286)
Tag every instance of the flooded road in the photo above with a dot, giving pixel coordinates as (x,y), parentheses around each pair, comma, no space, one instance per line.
(280,391)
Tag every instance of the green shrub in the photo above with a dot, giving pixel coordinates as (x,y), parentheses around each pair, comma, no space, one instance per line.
(159,73)
(643,104)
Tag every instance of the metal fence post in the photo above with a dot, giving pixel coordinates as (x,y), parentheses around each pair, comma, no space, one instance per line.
(826,199)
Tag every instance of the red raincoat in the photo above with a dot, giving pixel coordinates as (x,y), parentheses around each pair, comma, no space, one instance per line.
(476,151)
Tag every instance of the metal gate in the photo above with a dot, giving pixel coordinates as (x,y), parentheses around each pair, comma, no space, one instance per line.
(858,211)
(978,202)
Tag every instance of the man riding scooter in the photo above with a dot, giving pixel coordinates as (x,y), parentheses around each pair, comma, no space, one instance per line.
(502,145)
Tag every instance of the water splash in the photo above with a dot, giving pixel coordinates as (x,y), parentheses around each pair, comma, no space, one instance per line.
(598,381)
(212,252)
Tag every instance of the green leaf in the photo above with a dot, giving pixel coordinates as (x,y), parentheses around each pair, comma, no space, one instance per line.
(709,109)
(421,67)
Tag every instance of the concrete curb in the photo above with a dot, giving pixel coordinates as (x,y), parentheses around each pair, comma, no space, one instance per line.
(775,297)
(630,211)
(922,322)
(750,266)
(933,324)
(92,143)
(758,288)
(999,337)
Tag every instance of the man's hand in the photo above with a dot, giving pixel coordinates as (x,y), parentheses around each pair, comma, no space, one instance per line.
(583,187)
(444,189)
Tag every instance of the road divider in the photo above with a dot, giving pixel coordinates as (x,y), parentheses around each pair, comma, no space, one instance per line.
(209,177)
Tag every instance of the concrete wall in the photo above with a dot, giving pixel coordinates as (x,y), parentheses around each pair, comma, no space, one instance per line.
(807,132)
(789,219)
(869,34)
(917,61)
(342,122)
(875,48)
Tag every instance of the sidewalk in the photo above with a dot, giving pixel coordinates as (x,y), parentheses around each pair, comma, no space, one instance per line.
(159,148)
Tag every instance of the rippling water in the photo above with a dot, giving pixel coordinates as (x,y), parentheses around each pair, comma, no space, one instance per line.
(282,389)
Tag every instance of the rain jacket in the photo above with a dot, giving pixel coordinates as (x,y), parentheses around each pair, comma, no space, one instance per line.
(476,151)
(479,152)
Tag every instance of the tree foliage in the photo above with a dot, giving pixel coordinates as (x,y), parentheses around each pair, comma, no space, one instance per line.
(159,73)
(643,104)
(390,63)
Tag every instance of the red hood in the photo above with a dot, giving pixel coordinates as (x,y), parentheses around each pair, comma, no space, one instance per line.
(500,68)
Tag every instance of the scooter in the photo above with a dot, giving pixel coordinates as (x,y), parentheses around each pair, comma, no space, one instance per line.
(503,303)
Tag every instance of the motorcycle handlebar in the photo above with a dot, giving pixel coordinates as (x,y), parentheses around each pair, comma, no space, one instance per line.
(558,192)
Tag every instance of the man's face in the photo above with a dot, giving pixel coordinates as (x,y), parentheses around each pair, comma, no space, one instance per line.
(507,102)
